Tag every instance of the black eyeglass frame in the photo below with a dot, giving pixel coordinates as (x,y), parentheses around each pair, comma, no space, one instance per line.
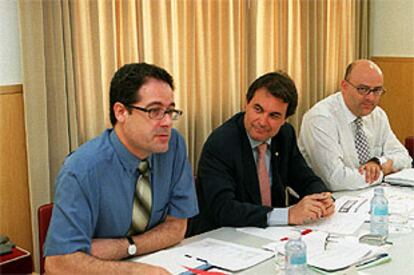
(365,90)
(153,112)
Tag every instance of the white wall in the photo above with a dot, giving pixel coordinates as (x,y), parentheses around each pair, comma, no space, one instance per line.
(10,72)
(392,28)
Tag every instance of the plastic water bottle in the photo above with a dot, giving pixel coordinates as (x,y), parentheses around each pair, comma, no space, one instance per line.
(295,256)
(379,213)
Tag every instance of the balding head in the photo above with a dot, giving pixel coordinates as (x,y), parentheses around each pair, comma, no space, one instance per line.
(361,74)
(361,64)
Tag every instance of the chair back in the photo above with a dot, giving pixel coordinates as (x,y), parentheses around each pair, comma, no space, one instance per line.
(409,144)
(44,214)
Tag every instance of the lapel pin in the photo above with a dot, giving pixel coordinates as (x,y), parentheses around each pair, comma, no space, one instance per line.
(276,154)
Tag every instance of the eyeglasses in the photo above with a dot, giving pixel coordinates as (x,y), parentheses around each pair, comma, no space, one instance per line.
(365,90)
(158,113)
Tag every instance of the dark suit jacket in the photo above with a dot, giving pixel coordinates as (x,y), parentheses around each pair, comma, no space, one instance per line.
(227,182)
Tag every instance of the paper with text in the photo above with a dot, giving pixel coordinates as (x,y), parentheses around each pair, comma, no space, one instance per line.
(350,214)
(226,255)
(169,259)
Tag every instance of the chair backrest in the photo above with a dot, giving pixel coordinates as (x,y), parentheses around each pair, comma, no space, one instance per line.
(44,214)
(409,144)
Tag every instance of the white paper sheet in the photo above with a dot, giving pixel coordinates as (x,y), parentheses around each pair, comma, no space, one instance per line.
(350,214)
(226,255)
(273,233)
(169,259)
(403,177)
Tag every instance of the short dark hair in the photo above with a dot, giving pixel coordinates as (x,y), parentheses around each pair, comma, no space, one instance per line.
(127,81)
(278,84)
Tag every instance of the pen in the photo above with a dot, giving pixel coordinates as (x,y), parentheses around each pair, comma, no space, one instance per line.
(292,192)
(197,258)
(303,232)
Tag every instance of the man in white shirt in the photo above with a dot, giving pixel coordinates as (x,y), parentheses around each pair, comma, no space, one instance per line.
(346,138)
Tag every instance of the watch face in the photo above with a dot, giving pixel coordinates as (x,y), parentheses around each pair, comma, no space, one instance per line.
(132,249)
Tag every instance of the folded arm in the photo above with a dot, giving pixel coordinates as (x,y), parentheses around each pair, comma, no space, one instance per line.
(166,234)
(320,144)
(105,253)
(82,263)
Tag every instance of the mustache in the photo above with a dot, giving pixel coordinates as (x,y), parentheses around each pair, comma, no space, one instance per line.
(162,131)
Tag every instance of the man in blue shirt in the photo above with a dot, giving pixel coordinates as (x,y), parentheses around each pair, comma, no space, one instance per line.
(92,225)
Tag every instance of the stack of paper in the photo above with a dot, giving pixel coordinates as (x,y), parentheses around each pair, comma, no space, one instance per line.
(207,252)
(403,178)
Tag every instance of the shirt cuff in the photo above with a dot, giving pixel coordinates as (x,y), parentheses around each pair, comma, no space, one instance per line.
(382,160)
(278,216)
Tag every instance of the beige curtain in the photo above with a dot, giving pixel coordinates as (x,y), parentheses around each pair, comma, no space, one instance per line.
(213,48)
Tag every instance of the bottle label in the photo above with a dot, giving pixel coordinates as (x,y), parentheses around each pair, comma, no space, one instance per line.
(298,260)
(380,211)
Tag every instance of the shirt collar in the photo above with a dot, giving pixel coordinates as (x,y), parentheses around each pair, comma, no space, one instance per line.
(255,143)
(128,160)
(349,116)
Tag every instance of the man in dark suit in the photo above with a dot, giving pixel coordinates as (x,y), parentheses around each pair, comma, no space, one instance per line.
(235,185)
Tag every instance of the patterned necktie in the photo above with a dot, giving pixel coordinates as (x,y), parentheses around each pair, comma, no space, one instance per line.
(141,210)
(361,143)
(264,180)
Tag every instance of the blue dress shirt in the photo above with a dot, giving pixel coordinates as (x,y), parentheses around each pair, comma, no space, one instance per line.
(95,192)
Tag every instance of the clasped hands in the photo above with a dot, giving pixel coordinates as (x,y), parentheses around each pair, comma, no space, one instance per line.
(311,208)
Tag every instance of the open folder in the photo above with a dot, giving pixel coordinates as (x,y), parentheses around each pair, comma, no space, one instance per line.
(335,253)
(404,177)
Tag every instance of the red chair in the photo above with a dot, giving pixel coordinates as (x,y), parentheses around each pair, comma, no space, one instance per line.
(44,214)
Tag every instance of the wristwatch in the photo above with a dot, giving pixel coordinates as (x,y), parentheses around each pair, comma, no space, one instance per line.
(379,161)
(132,247)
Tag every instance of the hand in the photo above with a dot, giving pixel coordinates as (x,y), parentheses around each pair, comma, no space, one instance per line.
(150,270)
(311,208)
(372,171)
(387,167)
(329,204)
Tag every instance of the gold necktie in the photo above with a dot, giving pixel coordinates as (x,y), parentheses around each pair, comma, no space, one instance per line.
(141,211)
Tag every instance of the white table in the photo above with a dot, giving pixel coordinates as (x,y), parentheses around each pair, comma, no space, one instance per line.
(401,252)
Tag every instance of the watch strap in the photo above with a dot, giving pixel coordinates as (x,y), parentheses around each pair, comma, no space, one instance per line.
(130,240)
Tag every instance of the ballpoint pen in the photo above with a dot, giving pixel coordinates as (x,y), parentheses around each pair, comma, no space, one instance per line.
(303,232)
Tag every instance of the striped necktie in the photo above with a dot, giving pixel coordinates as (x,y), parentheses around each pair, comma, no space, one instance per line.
(361,142)
(264,179)
(141,210)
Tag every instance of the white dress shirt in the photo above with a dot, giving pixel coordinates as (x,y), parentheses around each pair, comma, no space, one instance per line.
(327,143)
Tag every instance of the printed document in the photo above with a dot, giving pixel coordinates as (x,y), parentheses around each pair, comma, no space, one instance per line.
(169,259)
(221,254)
(225,255)
(350,214)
